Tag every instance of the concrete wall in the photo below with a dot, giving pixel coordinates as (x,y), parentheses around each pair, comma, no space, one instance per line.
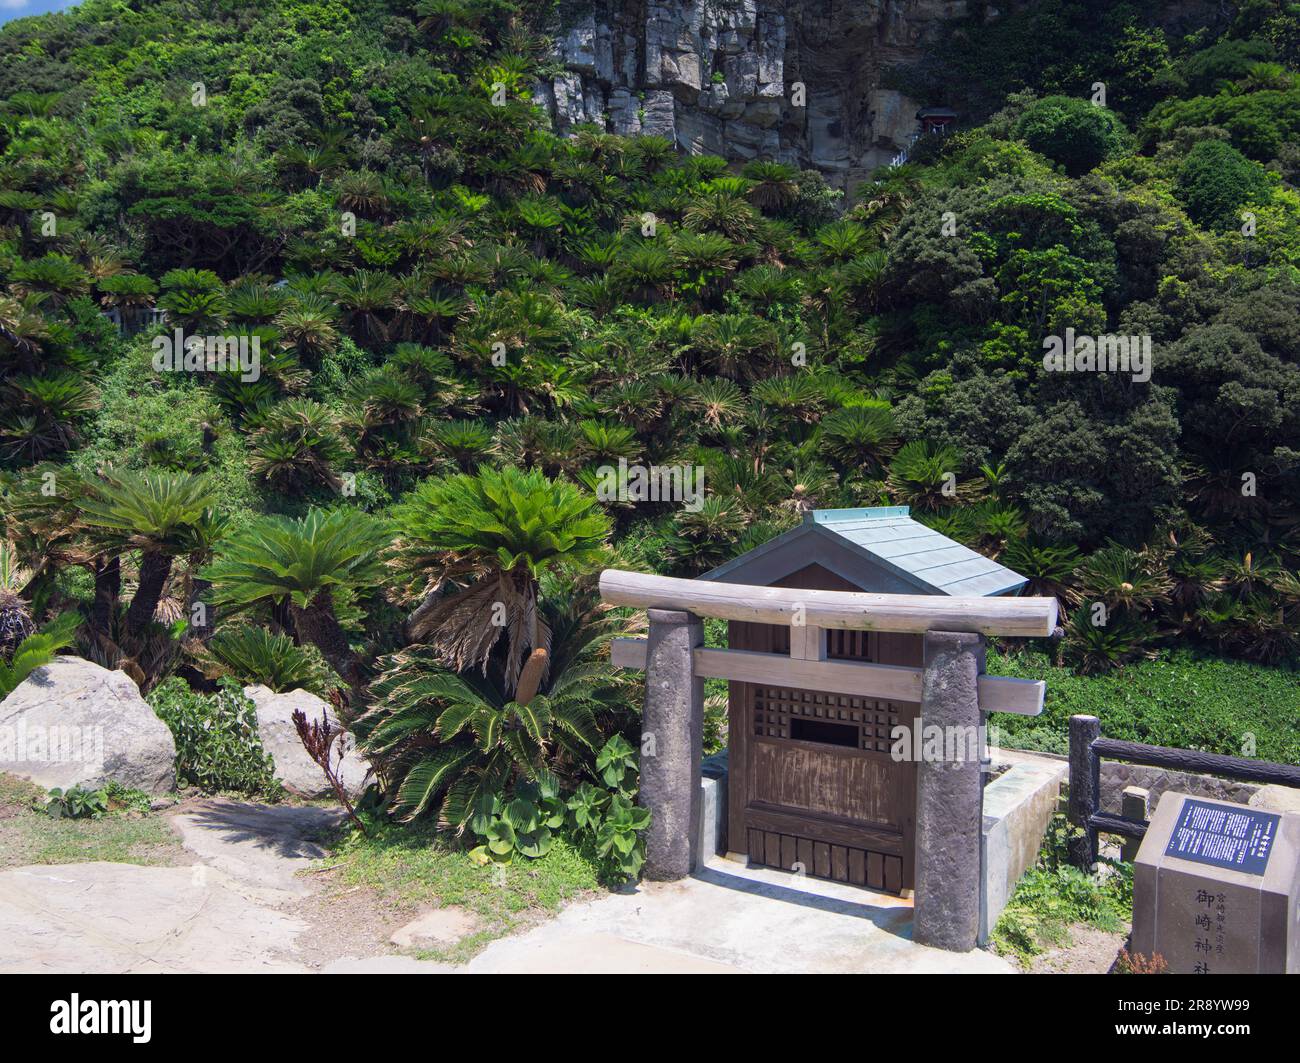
(1018,806)
(713,806)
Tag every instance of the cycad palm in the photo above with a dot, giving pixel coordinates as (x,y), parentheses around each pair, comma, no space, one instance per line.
(302,562)
(489,538)
(924,476)
(154,512)
(860,435)
(443,742)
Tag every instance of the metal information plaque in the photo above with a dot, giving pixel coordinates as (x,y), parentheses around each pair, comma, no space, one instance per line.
(1227,836)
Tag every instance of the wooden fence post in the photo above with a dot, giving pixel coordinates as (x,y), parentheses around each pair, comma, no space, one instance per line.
(1085,788)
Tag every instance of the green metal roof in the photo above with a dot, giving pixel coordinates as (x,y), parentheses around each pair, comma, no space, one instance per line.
(885,537)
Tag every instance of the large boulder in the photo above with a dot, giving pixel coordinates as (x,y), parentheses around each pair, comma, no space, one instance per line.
(73,723)
(293,767)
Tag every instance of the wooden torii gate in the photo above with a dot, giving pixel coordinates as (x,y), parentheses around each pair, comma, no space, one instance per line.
(951,688)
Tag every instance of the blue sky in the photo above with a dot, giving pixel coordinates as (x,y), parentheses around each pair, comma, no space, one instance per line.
(12,9)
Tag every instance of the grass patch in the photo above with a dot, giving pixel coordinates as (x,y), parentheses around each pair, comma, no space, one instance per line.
(29,836)
(417,865)
(1179,699)
(1054,897)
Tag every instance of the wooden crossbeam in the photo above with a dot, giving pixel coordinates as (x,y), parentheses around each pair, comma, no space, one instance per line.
(912,613)
(888,682)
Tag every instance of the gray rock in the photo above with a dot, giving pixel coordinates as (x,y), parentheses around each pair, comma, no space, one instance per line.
(104,918)
(578,46)
(1276,798)
(660,115)
(293,767)
(264,847)
(569,106)
(440,928)
(604,56)
(624,118)
(840,52)
(764,112)
(73,723)
(593,105)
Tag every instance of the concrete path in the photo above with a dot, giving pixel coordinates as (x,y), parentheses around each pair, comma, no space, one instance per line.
(732,918)
(232,910)
(728,919)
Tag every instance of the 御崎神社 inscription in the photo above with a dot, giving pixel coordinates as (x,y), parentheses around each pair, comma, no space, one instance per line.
(1216,888)
(1224,836)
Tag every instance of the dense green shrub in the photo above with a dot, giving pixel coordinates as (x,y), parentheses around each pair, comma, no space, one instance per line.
(1071,131)
(217,743)
(1216,180)
(254,655)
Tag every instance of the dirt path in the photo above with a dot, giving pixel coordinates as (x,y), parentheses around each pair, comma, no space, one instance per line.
(241,903)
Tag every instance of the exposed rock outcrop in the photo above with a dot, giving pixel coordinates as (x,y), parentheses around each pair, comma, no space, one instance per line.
(722,76)
(293,767)
(73,723)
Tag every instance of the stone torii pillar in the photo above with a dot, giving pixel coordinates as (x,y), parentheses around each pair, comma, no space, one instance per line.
(950,796)
(672,736)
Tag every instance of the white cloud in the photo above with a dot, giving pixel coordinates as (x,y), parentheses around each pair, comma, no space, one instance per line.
(14,5)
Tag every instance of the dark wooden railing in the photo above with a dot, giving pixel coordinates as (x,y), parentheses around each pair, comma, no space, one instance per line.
(1087,747)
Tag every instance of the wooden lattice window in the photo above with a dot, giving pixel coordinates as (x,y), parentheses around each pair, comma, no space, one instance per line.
(831,719)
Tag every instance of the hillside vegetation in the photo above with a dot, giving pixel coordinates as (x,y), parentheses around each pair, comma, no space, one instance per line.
(461,318)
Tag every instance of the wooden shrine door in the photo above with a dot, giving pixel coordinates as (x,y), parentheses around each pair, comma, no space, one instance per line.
(811,779)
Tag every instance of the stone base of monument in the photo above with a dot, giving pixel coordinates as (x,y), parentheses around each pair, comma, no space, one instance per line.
(1216,888)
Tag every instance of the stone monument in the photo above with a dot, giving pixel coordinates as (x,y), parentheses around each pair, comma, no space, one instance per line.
(1216,888)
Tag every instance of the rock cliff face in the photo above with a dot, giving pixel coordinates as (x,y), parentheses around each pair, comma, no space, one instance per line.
(722,76)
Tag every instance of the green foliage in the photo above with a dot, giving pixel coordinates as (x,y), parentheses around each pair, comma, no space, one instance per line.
(1215,181)
(1177,699)
(279,558)
(1053,897)
(605,816)
(520,822)
(496,533)
(77,803)
(37,650)
(217,742)
(158,510)
(1071,131)
(252,655)
(449,743)
(617,764)
(506,518)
